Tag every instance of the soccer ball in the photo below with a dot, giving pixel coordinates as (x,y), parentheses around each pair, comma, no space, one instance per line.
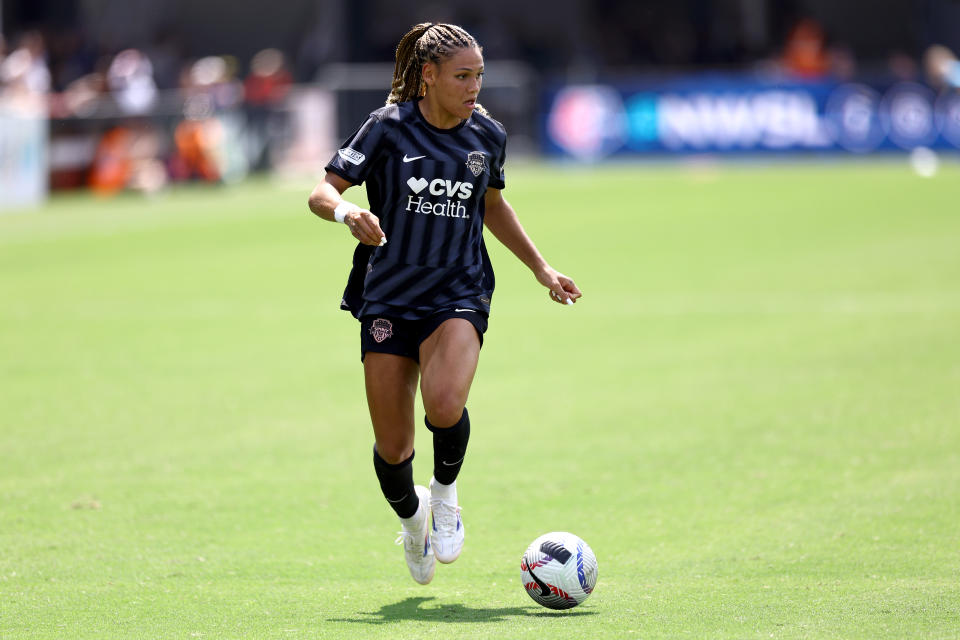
(558,570)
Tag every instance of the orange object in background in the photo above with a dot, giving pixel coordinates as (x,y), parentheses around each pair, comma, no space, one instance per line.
(196,143)
(112,163)
(127,157)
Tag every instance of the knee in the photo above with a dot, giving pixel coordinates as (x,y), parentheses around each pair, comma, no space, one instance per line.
(444,410)
(443,400)
(394,452)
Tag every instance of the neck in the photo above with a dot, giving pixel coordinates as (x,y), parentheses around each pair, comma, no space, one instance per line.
(436,116)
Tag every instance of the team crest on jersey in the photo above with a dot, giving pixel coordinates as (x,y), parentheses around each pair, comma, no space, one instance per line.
(476,162)
(381,329)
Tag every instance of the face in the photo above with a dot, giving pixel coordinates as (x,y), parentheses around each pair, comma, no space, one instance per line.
(453,84)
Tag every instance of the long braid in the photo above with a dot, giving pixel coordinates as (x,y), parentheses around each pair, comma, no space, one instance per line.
(425,42)
(407,79)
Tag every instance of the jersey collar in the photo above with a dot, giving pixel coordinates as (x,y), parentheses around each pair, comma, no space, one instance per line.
(416,110)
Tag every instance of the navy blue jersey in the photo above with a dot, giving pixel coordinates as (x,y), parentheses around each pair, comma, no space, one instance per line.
(427,186)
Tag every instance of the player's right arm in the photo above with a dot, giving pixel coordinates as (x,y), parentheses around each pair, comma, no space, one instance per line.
(351,165)
(325,198)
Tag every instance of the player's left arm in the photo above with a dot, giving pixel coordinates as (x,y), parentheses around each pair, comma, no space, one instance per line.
(503,222)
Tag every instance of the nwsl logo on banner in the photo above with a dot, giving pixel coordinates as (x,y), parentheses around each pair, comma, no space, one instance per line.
(738,113)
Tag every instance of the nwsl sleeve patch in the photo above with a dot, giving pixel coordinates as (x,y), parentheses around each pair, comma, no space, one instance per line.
(351,155)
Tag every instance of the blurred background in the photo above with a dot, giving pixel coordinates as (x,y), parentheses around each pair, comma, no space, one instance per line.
(117,95)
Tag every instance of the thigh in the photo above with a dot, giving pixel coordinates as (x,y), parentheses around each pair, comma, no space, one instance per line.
(448,362)
(391,383)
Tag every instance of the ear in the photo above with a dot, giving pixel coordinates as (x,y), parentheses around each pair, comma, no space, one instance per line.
(429,73)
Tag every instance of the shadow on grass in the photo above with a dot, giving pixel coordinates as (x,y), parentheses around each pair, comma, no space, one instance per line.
(410,609)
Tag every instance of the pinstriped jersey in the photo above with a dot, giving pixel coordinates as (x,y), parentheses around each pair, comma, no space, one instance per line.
(426,185)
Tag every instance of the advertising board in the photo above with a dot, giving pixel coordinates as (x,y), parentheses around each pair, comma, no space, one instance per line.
(740,114)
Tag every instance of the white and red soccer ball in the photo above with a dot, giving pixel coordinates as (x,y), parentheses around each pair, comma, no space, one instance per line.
(558,570)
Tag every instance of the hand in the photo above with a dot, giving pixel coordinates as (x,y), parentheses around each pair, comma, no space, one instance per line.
(365,227)
(562,289)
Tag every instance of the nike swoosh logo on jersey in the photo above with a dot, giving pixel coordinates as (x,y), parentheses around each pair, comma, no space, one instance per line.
(462,310)
(406,159)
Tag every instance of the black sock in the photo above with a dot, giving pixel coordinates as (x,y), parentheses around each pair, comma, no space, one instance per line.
(396,482)
(449,448)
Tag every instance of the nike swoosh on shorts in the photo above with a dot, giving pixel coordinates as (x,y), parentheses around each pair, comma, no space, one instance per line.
(406,159)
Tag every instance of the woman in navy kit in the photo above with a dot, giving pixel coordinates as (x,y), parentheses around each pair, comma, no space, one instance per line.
(421,281)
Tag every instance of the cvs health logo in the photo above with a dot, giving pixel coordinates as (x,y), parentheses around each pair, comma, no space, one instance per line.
(439,187)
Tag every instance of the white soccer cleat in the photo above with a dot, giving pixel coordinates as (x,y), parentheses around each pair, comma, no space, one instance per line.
(446,529)
(416,542)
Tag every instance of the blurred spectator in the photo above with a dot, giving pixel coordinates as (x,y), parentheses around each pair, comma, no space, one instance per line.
(805,52)
(207,142)
(265,90)
(902,66)
(213,79)
(24,72)
(843,64)
(942,67)
(130,79)
(269,80)
(81,97)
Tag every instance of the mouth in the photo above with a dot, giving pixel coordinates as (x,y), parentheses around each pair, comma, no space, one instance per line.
(471,103)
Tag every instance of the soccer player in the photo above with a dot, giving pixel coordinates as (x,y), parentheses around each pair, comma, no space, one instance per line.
(421,281)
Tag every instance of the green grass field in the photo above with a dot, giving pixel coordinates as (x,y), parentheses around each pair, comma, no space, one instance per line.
(753,415)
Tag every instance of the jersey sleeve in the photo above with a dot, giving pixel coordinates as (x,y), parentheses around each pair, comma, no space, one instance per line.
(358,155)
(497,177)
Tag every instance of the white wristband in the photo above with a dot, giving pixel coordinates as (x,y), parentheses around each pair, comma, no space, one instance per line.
(341,210)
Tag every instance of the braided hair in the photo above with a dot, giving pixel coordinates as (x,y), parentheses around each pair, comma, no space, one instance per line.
(425,42)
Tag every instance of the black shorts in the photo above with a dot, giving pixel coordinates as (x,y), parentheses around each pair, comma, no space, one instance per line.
(383,334)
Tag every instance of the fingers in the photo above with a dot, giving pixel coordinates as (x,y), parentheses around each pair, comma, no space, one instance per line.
(570,287)
(365,227)
(564,291)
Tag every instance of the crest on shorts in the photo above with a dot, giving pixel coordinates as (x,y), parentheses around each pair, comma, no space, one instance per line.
(381,329)
(476,162)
